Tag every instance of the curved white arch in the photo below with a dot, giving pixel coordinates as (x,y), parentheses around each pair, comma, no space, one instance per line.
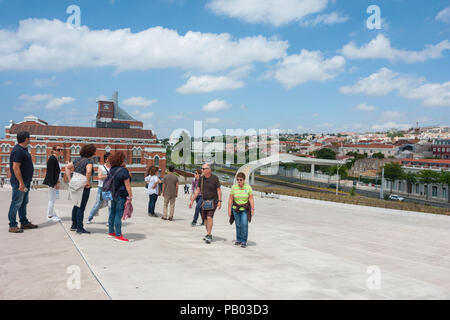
(249,168)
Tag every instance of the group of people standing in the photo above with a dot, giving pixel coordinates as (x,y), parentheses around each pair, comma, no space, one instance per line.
(206,191)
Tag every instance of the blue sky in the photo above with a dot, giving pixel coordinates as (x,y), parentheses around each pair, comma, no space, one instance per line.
(296,65)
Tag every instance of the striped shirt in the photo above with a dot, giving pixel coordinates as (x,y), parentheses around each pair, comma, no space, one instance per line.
(241,195)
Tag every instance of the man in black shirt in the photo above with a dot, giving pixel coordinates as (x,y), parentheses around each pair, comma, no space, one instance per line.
(22,169)
(209,186)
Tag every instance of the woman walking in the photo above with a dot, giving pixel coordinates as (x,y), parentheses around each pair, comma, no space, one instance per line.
(121,194)
(52,181)
(241,205)
(152,189)
(102,175)
(199,199)
(80,185)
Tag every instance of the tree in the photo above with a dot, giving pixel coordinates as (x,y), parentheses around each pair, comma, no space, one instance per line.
(392,171)
(411,178)
(378,155)
(444,178)
(343,171)
(428,177)
(325,153)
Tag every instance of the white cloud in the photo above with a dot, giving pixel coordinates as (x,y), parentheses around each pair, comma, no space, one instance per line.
(138,102)
(212,120)
(330,18)
(40,44)
(36,97)
(444,15)
(307,66)
(390,125)
(143,115)
(216,105)
(380,48)
(275,12)
(385,81)
(56,103)
(44,82)
(207,83)
(392,115)
(364,107)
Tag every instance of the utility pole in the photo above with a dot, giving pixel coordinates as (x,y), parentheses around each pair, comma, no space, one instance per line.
(381,187)
(337,184)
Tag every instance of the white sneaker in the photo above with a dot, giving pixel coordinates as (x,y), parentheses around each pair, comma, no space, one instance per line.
(56,219)
(89,222)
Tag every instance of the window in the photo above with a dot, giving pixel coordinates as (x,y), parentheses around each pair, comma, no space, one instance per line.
(417,189)
(434,191)
(156,162)
(73,150)
(444,193)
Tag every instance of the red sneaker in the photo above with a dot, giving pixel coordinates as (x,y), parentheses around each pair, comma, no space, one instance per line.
(111,235)
(121,239)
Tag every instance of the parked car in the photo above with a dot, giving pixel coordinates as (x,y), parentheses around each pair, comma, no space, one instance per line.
(396,198)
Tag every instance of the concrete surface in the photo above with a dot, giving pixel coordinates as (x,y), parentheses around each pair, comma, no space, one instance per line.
(298,249)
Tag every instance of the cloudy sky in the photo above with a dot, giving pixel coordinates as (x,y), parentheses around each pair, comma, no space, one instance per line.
(295,65)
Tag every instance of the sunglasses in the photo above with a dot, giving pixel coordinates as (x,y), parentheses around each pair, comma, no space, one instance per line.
(240,179)
(205,168)
(59,149)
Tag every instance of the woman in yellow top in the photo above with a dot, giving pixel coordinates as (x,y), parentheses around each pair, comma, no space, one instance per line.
(239,204)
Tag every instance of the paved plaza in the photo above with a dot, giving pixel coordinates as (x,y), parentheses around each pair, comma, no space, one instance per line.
(298,249)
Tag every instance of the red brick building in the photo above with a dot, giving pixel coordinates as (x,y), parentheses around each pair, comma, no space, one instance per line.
(441,148)
(115,130)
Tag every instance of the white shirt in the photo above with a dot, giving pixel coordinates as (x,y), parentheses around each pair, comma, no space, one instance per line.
(104,172)
(152,180)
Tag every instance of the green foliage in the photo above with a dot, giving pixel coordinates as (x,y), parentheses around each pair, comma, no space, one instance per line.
(353,192)
(343,171)
(378,155)
(429,176)
(393,171)
(325,153)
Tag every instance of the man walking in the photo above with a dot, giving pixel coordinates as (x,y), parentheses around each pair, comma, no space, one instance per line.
(22,170)
(170,193)
(209,187)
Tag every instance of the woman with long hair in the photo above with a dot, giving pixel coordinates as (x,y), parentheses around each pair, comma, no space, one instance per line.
(52,181)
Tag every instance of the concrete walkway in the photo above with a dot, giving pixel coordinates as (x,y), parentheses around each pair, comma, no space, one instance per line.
(298,249)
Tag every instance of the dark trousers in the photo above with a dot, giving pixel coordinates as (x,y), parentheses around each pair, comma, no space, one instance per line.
(152,203)
(78,212)
(198,208)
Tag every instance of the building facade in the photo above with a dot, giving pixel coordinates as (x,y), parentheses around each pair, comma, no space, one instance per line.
(115,131)
(441,148)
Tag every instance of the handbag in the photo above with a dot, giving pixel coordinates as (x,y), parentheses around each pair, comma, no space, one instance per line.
(207,204)
(128,210)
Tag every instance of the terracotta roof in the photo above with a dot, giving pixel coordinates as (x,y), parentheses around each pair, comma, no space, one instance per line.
(370,146)
(82,132)
(431,161)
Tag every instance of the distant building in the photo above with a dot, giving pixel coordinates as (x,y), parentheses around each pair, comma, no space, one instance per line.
(388,150)
(115,131)
(441,148)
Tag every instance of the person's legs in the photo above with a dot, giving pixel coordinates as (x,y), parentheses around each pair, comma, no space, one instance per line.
(74,217)
(172,207)
(244,226)
(198,207)
(152,203)
(16,202)
(166,204)
(209,225)
(80,211)
(23,208)
(51,202)
(112,215)
(149,204)
(120,207)
(238,223)
(98,202)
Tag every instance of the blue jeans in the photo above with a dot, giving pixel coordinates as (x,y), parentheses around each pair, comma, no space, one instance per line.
(98,202)
(198,208)
(152,203)
(78,212)
(115,217)
(241,220)
(18,204)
